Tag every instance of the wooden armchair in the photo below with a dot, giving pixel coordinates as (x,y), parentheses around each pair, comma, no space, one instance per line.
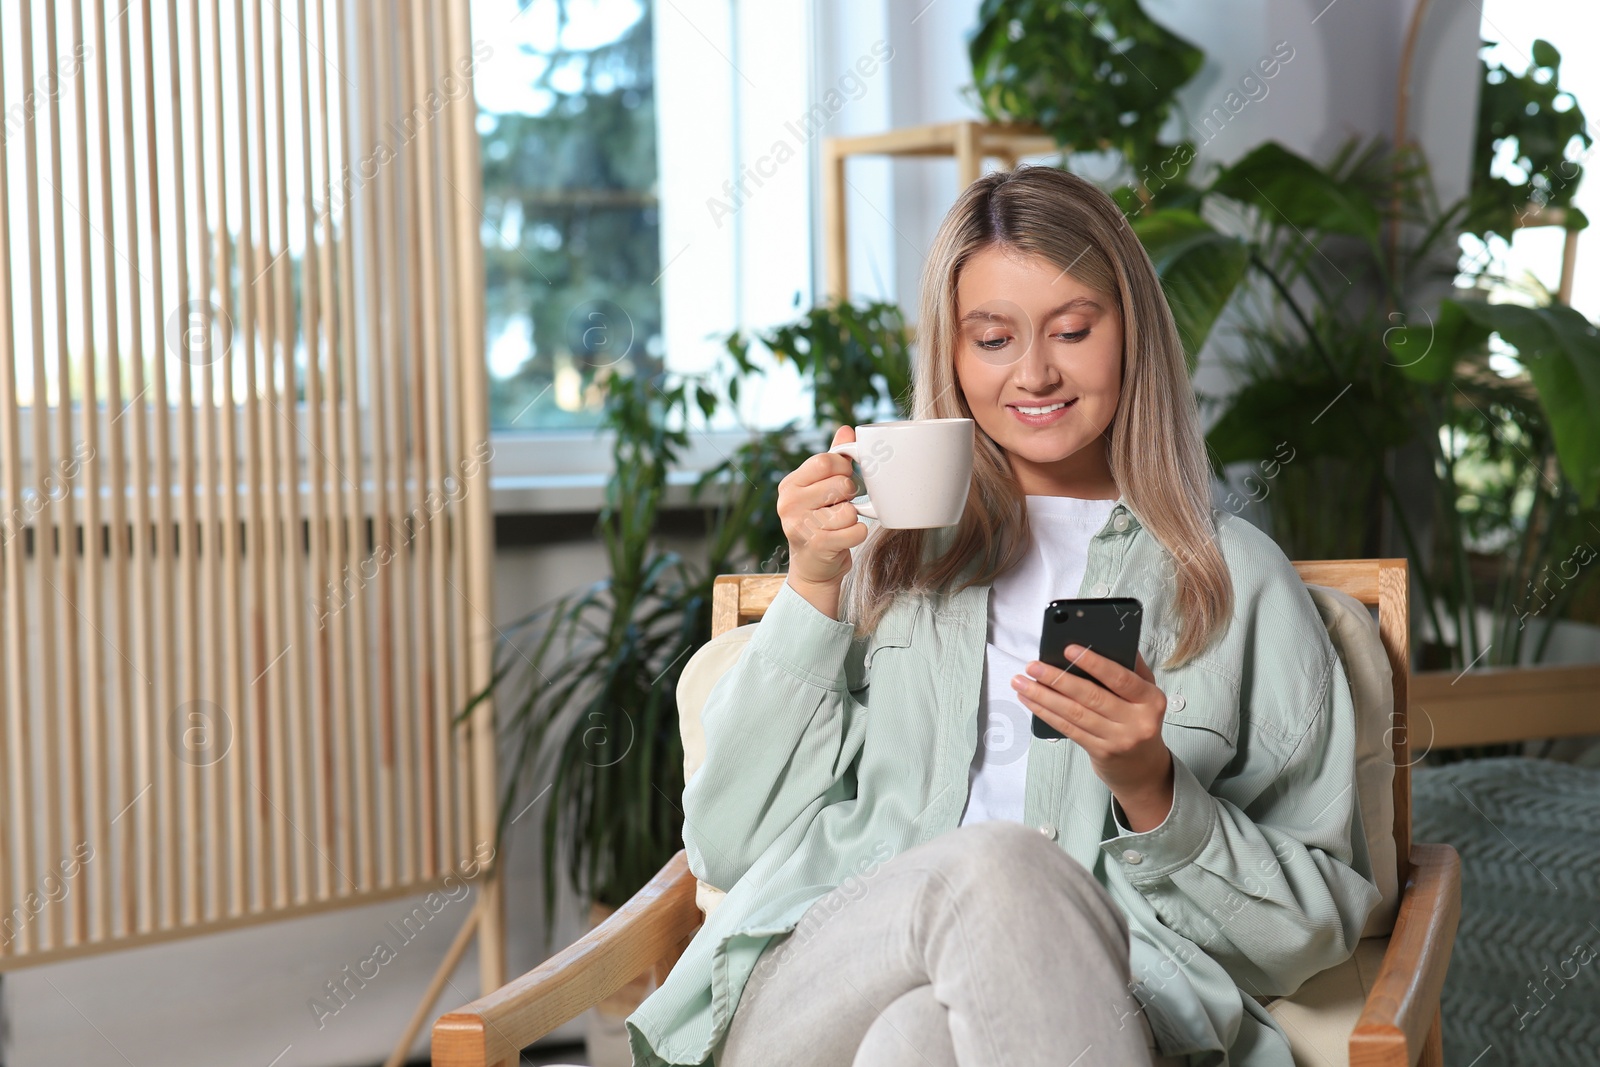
(1379,1009)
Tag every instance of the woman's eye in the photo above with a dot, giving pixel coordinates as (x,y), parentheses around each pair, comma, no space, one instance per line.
(991,344)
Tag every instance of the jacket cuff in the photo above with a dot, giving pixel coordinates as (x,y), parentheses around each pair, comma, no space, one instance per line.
(802,640)
(1156,853)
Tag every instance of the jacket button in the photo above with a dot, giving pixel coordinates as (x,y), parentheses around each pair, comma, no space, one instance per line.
(1176,702)
(1101,589)
(1133,857)
(1120,523)
(1048,830)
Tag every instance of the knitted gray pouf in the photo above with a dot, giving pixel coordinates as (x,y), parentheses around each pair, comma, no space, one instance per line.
(1524,981)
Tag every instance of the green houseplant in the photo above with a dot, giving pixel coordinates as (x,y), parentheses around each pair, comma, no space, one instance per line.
(1358,384)
(1095,77)
(586,686)
(1351,349)
(1354,375)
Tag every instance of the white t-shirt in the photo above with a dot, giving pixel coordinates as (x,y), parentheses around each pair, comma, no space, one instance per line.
(1053,568)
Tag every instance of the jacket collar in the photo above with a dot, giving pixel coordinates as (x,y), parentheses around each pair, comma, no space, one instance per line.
(944,535)
(1134,522)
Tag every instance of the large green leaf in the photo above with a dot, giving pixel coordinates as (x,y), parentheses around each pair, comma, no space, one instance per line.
(1199,267)
(1290,188)
(1561,350)
(1428,351)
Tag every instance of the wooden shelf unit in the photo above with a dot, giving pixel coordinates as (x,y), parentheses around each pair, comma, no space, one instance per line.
(969,141)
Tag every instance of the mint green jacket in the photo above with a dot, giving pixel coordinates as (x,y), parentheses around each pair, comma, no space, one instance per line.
(822,749)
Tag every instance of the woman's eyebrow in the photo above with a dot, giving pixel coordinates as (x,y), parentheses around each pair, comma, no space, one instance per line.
(1077,303)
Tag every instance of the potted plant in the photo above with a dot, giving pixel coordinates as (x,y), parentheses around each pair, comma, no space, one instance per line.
(586,687)
(1385,392)
(1097,77)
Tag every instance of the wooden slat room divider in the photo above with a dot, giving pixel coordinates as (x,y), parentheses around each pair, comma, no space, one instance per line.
(244,526)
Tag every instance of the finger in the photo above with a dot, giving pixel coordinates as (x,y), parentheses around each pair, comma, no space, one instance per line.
(835,541)
(829,491)
(814,526)
(835,517)
(1082,689)
(1036,695)
(1097,747)
(822,465)
(820,468)
(801,503)
(1142,669)
(1109,673)
(1065,727)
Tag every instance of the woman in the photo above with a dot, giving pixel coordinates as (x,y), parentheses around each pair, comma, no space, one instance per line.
(905,887)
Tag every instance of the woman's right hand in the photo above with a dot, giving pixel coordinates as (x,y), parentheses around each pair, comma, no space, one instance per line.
(820,522)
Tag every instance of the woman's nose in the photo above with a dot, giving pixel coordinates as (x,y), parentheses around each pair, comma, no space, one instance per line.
(1032,371)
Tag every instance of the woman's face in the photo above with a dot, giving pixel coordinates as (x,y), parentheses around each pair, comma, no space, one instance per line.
(1039,358)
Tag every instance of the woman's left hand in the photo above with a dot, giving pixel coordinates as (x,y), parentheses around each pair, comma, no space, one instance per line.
(1119,726)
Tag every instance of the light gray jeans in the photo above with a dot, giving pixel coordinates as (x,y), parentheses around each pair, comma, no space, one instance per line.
(987,945)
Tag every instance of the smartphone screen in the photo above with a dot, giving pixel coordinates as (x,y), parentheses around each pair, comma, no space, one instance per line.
(1109,626)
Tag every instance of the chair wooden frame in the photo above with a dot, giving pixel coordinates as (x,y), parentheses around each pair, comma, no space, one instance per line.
(1399,1026)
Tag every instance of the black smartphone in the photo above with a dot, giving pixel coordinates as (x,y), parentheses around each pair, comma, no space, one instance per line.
(1109,626)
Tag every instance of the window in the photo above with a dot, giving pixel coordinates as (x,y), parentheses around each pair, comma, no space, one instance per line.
(638,207)
(571,229)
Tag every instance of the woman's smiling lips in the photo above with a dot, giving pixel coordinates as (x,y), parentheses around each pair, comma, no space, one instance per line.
(1048,411)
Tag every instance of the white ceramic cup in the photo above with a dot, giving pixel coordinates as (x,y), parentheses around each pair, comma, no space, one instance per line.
(917,473)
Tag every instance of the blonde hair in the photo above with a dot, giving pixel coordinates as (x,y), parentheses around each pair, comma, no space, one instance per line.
(1155,449)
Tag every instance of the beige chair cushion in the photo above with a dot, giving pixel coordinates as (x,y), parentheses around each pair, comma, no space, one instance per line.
(1322,1014)
(694,685)
(1354,633)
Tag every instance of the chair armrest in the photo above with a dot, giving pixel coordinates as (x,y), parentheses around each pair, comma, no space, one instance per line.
(1404,1000)
(651,928)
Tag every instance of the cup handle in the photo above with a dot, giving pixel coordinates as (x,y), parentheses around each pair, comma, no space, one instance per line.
(853,450)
